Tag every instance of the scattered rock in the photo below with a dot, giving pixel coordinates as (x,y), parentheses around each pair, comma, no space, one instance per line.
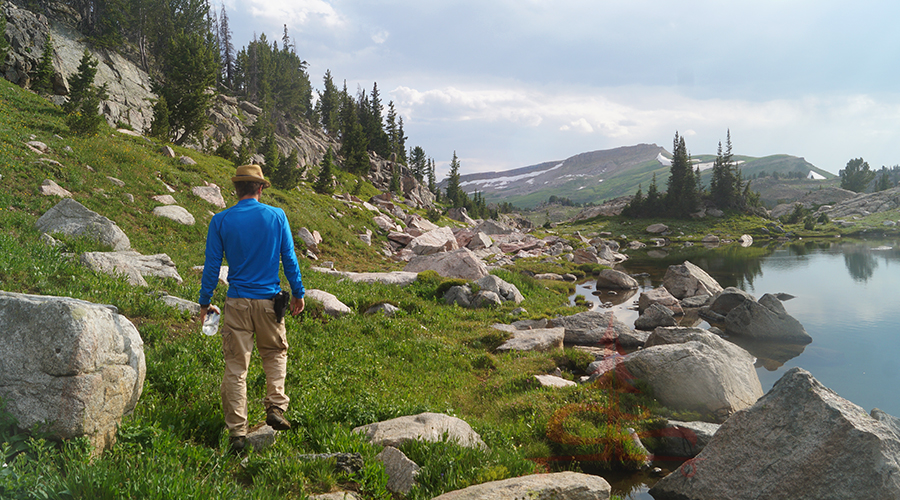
(541,339)
(682,439)
(211,193)
(438,240)
(384,308)
(553,381)
(556,486)
(591,328)
(657,228)
(50,188)
(132,265)
(186,160)
(189,306)
(333,306)
(659,296)
(115,181)
(617,280)
(167,151)
(430,427)
(165,199)
(400,469)
(506,291)
(72,366)
(175,213)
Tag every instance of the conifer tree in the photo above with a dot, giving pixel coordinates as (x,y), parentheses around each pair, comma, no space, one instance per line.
(4,45)
(271,155)
(43,79)
(856,176)
(681,195)
(329,106)
(323,184)
(287,175)
(884,182)
(418,163)
(82,109)
(453,191)
(227,50)
(159,127)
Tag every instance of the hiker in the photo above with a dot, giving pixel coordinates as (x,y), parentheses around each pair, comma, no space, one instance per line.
(253,237)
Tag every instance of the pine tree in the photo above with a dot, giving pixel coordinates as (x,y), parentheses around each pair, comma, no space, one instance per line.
(43,79)
(227,50)
(681,195)
(884,182)
(432,184)
(330,106)
(4,45)
(271,155)
(323,183)
(453,191)
(287,175)
(856,176)
(82,109)
(189,70)
(160,126)
(418,163)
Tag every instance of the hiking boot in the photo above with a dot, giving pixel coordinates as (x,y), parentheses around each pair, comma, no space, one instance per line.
(275,419)
(237,445)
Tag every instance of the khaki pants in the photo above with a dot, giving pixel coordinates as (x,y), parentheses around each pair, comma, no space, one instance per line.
(242,318)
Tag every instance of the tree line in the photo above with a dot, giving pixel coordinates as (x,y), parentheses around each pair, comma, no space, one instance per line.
(685,193)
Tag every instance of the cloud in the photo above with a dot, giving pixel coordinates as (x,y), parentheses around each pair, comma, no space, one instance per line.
(380,37)
(297,13)
(579,125)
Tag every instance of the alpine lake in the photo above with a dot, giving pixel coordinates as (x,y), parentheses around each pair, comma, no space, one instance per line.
(845,294)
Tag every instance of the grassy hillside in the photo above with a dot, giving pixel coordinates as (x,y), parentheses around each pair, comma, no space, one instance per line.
(342,372)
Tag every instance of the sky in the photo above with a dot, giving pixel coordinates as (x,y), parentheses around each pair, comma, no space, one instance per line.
(513,83)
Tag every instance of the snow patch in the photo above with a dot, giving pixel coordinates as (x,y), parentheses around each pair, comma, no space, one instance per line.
(814,176)
(500,182)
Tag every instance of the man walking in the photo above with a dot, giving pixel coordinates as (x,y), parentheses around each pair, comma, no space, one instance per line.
(253,237)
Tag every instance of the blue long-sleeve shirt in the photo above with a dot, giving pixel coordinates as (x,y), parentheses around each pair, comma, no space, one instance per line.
(253,237)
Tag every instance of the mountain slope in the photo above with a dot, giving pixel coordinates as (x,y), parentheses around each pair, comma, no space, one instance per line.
(602,175)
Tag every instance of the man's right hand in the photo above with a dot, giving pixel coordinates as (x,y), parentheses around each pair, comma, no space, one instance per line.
(297,305)
(205,310)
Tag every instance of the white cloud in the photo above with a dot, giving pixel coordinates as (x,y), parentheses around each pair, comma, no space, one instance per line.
(296,13)
(380,37)
(579,125)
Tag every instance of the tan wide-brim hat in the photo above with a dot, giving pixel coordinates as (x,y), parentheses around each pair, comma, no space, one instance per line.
(250,173)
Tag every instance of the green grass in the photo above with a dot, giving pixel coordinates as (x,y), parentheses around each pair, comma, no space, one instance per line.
(342,372)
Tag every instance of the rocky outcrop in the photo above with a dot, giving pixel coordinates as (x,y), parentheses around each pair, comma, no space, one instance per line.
(556,486)
(424,426)
(74,366)
(800,441)
(864,204)
(73,219)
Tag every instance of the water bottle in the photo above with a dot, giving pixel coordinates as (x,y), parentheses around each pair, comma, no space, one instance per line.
(211,325)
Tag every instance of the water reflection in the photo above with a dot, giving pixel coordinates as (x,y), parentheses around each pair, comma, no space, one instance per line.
(769,355)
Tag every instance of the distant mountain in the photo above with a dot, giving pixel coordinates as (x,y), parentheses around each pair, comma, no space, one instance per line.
(602,175)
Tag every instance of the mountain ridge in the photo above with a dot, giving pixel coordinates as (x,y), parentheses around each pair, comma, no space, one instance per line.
(596,176)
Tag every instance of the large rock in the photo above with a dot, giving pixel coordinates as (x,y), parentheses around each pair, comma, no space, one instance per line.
(766,319)
(555,486)
(437,240)
(688,280)
(399,278)
(591,328)
(705,374)
(616,280)
(541,339)
(800,441)
(71,218)
(132,265)
(460,263)
(50,188)
(75,366)
(430,427)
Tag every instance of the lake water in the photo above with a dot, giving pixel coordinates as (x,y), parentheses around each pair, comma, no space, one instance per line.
(845,296)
